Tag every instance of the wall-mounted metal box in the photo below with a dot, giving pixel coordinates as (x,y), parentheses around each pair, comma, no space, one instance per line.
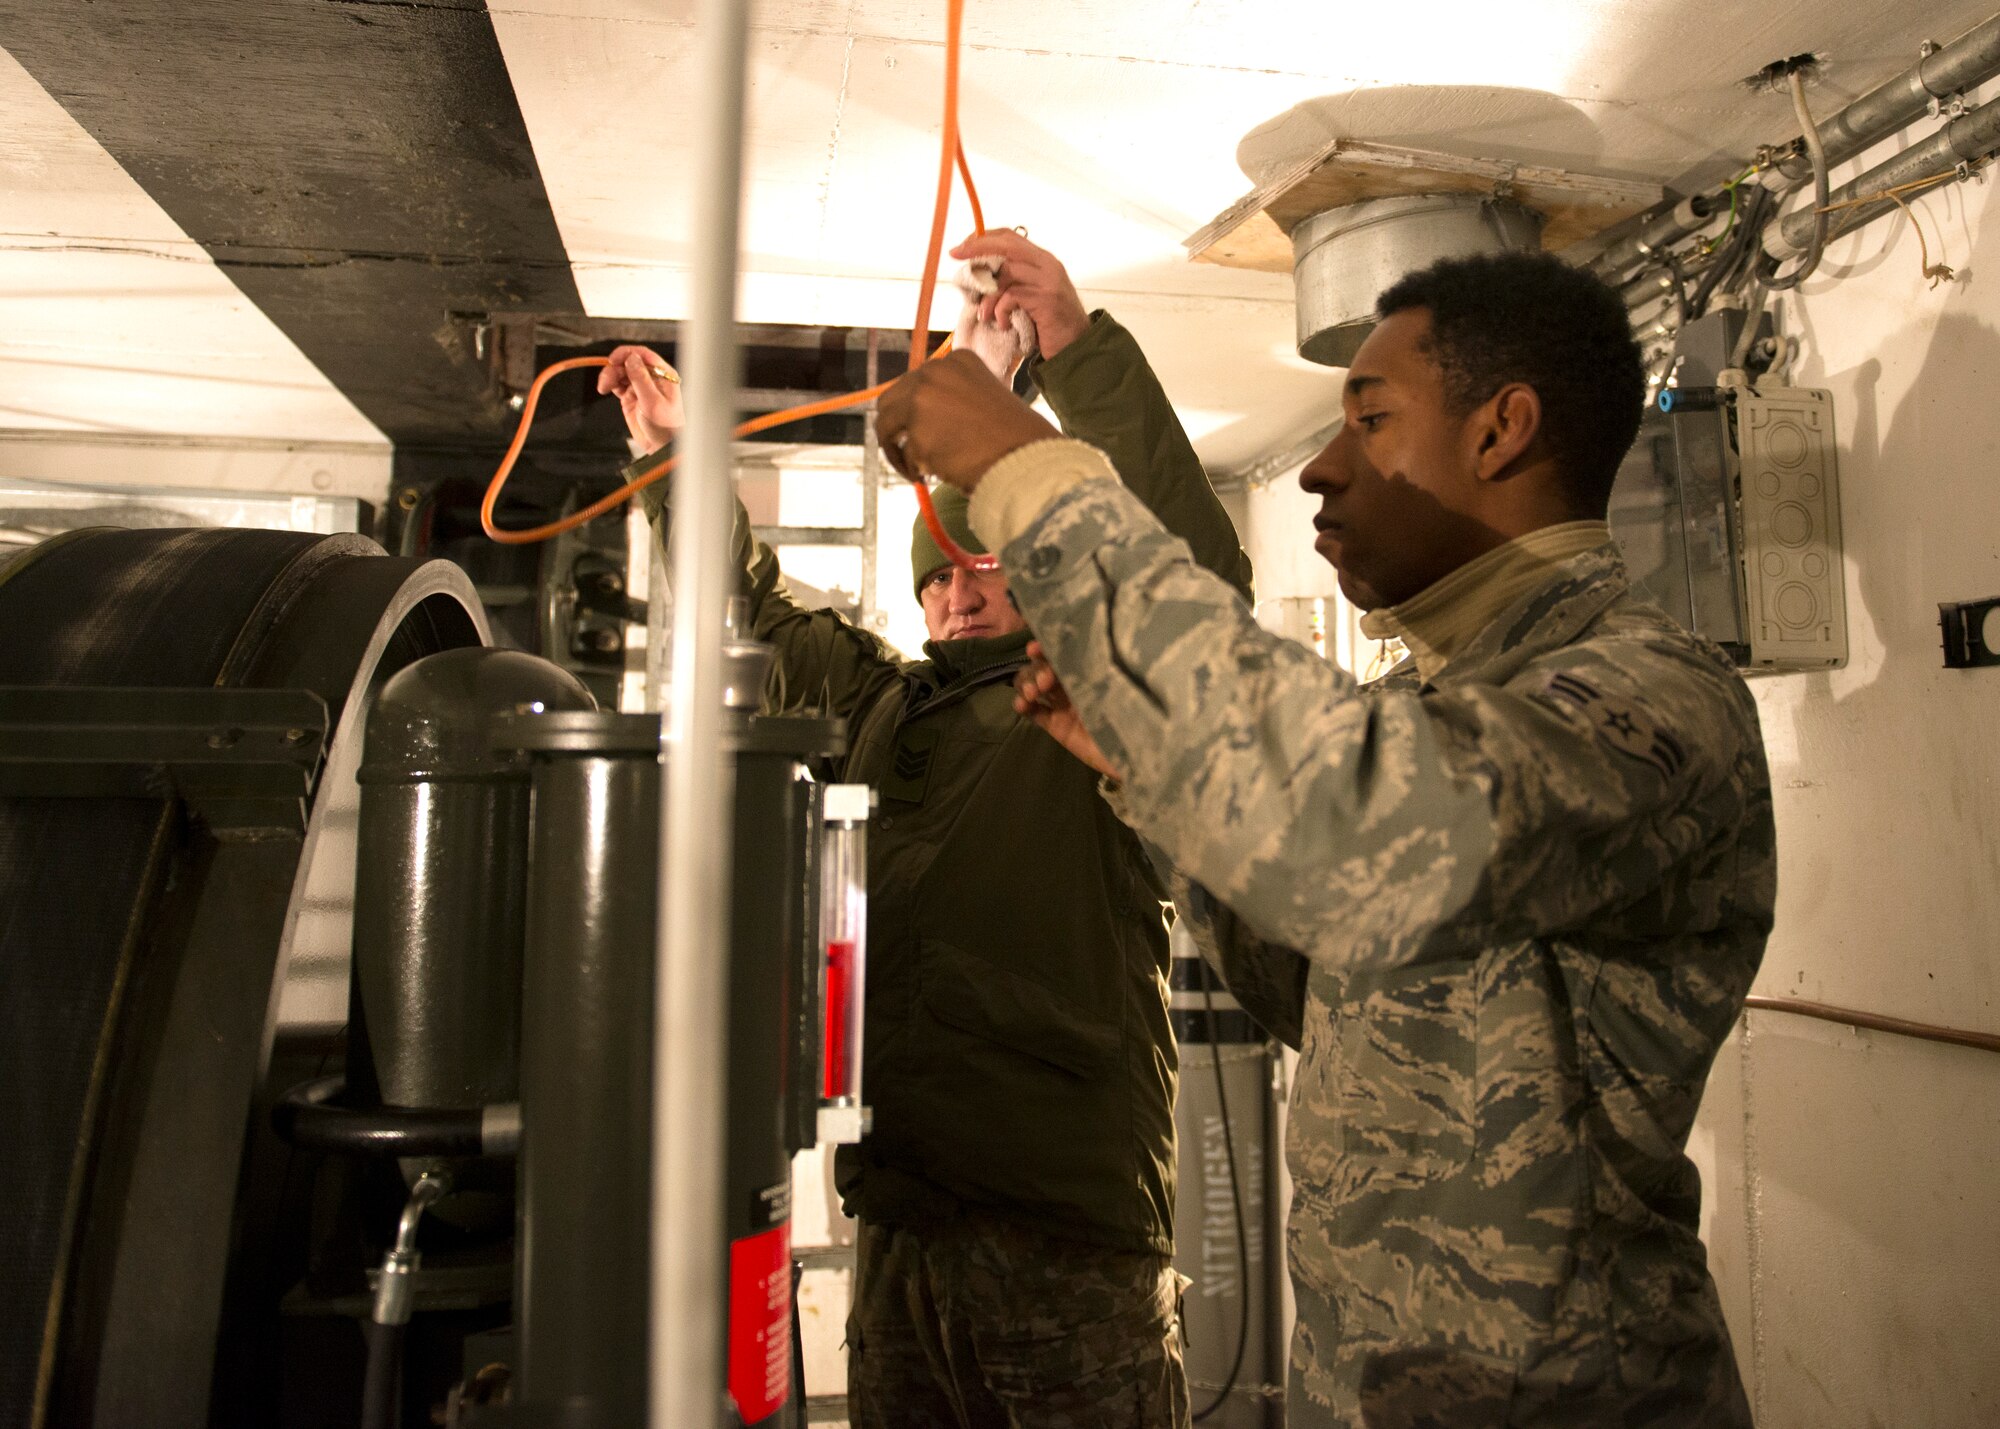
(1728,512)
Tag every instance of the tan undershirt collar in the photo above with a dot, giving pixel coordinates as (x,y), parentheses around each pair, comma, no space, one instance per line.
(1436,623)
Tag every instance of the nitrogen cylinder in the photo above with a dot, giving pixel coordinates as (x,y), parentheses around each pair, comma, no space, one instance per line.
(1224,1120)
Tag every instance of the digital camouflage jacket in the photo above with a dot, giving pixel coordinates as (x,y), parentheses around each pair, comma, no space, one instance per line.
(1016,1048)
(1508,919)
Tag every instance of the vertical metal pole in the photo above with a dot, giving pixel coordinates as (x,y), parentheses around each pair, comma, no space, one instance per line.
(871,491)
(691,1028)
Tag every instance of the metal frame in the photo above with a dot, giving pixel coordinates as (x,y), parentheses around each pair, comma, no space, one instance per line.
(215,747)
(874,473)
(508,341)
(872,615)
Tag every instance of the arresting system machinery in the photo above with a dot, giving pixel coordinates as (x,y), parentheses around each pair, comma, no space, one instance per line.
(330,941)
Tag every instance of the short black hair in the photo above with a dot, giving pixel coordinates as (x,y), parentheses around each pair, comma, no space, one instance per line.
(1530,317)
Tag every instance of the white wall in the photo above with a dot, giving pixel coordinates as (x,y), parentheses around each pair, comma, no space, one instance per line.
(1853,1177)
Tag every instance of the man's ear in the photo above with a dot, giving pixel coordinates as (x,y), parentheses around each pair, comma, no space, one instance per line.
(1504,428)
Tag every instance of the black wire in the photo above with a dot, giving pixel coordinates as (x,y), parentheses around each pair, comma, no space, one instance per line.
(1749,235)
(1235,1198)
(1753,250)
(1721,269)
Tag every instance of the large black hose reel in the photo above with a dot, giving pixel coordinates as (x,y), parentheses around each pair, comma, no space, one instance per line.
(281,1002)
(179,737)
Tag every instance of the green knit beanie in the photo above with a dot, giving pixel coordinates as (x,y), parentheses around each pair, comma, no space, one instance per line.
(953,509)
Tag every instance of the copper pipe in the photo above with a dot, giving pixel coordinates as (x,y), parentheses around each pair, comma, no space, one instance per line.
(1876,1022)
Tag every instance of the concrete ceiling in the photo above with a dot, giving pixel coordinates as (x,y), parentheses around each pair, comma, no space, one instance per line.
(1109,129)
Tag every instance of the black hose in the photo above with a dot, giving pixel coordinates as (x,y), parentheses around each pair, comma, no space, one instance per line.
(1236,1200)
(1721,269)
(382,1385)
(306,1117)
(798,1339)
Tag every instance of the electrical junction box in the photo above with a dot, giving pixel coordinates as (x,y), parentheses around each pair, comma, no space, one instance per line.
(1727,509)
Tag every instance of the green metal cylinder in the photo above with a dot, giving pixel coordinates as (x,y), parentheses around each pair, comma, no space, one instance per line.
(580,1309)
(441,870)
(583,1261)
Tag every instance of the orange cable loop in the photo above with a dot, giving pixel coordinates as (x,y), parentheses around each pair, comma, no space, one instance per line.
(951,155)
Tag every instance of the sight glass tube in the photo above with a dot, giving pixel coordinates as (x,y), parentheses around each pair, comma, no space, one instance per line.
(844,969)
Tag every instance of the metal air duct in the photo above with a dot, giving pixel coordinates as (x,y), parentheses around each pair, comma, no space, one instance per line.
(1345,257)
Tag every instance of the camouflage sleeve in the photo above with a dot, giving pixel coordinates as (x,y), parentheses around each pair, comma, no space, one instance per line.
(823,662)
(1104,392)
(1348,825)
(1269,981)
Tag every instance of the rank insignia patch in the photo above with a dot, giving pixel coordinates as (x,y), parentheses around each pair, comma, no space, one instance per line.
(1623,724)
(910,765)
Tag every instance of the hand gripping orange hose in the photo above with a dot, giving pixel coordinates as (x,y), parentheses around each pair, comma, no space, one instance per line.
(951,154)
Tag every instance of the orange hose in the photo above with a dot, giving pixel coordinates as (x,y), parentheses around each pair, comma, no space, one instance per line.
(971,190)
(948,154)
(952,154)
(651,474)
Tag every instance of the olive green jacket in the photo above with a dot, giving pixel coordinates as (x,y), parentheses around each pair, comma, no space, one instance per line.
(1017,1053)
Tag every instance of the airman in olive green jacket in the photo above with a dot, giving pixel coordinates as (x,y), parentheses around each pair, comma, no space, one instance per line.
(1018,1055)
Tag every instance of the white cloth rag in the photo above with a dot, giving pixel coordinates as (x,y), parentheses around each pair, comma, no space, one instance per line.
(1001,346)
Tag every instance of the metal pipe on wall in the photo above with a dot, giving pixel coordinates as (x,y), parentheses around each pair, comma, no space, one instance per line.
(1968,61)
(1970,137)
(1666,229)
(686,1384)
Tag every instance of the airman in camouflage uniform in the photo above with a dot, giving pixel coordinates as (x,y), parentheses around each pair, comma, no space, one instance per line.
(1507,902)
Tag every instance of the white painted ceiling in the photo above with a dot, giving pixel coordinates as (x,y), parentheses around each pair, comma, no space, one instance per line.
(1109,128)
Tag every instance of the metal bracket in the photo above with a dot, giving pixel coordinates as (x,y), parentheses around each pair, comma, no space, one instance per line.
(808,535)
(844,1125)
(232,754)
(1963,624)
(604,592)
(513,364)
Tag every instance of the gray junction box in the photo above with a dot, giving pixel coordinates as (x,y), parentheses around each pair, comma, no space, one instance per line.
(1727,510)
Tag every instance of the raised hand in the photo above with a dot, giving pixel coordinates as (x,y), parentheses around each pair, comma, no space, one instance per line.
(1039,696)
(1030,280)
(651,402)
(951,418)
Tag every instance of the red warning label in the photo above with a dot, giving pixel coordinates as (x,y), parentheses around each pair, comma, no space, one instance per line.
(760,1322)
